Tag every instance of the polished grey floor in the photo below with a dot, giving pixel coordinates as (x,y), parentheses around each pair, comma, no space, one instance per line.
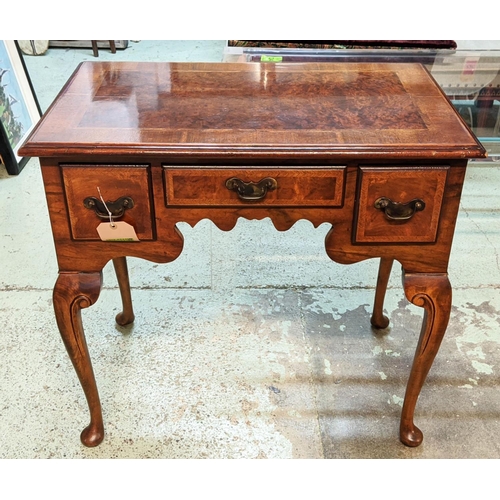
(253,344)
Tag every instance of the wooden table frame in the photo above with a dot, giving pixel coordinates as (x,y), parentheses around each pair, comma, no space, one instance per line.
(374,149)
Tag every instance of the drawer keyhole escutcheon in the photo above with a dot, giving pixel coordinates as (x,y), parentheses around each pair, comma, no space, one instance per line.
(251,190)
(394,210)
(116,208)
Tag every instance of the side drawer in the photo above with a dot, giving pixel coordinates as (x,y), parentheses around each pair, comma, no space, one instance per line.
(207,186)
(114,182)
(399,204)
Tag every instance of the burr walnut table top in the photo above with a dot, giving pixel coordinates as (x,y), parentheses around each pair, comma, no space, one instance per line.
(350,109)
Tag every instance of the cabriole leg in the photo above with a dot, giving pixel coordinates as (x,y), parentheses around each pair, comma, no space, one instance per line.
(433,293)
(126,317)
(72,293)
(378,319)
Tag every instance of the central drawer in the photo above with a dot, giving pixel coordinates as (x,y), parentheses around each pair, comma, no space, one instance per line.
(209,186)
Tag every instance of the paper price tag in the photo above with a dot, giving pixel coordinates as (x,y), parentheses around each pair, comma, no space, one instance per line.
(119,231)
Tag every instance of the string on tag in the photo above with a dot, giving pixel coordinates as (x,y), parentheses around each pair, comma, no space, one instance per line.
(111,223)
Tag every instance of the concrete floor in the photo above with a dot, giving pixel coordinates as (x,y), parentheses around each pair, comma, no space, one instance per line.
(253,344)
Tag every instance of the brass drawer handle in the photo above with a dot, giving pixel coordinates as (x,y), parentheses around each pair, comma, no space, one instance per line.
(394,210)
(251,190)
(116,208)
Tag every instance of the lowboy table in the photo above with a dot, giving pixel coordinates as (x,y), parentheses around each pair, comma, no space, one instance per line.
(128,150)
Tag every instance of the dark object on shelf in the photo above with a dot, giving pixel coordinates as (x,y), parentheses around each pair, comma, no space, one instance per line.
(346,44)
(419,51)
